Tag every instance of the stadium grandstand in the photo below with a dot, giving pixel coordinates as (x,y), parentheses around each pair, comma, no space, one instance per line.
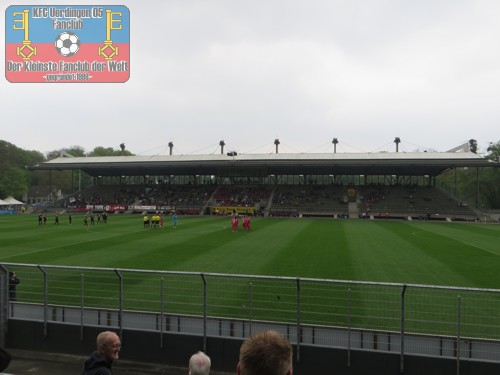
(377,325)
(341,185)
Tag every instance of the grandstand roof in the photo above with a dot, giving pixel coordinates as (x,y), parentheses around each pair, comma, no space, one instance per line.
(385,163)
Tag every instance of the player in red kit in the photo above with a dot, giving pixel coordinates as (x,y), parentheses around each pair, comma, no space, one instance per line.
(234,222)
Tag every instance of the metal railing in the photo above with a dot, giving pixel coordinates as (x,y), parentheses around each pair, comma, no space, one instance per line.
(450,322)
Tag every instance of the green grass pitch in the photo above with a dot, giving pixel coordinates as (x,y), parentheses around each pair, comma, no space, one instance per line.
(439,253)
(433,253)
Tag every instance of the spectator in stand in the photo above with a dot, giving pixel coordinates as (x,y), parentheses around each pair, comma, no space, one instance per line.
(265,353)
(13,282)
(199,364)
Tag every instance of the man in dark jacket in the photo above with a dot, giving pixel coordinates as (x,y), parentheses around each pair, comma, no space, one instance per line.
(100,361)
(13,281)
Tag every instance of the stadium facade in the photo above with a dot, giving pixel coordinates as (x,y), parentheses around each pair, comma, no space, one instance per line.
(265,165)
(318,169)
(379,351)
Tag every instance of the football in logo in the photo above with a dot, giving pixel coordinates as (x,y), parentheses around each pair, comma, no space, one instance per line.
(67,43)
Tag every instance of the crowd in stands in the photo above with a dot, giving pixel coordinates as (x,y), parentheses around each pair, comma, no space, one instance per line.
(187,199)
(194,196)
(241,196)
(105,195)
(287,200)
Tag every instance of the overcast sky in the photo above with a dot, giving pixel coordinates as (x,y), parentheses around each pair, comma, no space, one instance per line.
(248,72)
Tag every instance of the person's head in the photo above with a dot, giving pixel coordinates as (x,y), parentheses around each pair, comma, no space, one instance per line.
(108,345)
(199,364)
(265,353)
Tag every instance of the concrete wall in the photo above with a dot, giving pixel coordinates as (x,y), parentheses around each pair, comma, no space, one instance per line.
(144,346)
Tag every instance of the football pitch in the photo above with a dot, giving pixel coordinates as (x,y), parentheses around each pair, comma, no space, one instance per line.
(418,252)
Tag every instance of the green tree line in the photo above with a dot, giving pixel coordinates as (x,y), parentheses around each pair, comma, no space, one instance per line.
(463,184)
(16,179)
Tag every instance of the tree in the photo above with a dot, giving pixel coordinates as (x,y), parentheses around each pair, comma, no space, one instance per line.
(11,155)
(108,151)
(490,179)
(14,177)
(76,151)
(14,181)
(463,184)
(494,152)
(69,181)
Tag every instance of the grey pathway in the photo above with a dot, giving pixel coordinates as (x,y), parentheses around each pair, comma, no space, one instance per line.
(41,363)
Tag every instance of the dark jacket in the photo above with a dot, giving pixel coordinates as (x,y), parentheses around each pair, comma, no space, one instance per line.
(97,365)
(13,282)
(4,359)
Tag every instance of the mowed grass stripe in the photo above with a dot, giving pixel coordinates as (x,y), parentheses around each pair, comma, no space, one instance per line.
(481,236)
(410,253)
(223,251)
(406,252)
(363,250)
(117,244)
(463,251)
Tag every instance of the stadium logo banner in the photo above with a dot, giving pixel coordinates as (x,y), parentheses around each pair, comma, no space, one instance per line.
(67,43)
(227,210)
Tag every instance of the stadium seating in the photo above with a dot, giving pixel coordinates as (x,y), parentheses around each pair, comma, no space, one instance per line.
(308,200)
(379,201)
(411,201)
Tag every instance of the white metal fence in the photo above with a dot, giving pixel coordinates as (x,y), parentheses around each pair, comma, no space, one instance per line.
(406,319)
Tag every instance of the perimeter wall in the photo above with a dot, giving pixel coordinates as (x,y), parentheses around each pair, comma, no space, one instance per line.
(335,327)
